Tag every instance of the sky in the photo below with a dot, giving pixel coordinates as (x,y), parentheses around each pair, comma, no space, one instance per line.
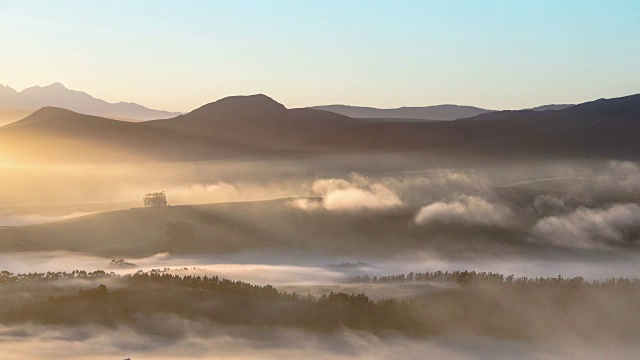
(179,55)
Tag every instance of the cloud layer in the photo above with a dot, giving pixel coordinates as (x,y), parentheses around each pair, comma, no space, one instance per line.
(617,225)
(468,210)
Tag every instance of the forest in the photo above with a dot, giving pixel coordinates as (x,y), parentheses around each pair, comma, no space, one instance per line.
(160,303)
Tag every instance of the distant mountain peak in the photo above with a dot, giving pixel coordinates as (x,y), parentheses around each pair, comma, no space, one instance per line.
(7,89)
(256,99)
(52,86)
(56,85)
(58,95)
(245,104)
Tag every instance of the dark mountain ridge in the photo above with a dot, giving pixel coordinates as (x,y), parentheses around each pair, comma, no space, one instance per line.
(60,135)
(601,128)
(238,125)
(444,112)
(550,107)
(257,120)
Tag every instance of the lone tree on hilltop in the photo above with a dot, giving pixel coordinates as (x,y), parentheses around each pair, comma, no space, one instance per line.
(155,199)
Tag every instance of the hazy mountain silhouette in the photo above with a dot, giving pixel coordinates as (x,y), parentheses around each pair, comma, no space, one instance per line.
(437,112)
(228,127)
(605,128)
(55,134)
(601,128)
(433,113)
(551,107)
(257,120)
(59,96)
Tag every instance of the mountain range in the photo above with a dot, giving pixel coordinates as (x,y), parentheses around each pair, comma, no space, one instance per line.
(15,105)
(241,125)
(436,112)
(57,95)
(604,128)
(232,126)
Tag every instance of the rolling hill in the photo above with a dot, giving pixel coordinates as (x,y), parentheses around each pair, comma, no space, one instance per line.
(227,228)
(605,128)
(229,127)
(257,120)
(8,116)
(53,135)
(240,125)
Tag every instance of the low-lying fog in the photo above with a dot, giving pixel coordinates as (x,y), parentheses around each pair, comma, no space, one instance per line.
(471,218)
(572,206)
(263,269)
(237,343)
(33,194)
(568,205)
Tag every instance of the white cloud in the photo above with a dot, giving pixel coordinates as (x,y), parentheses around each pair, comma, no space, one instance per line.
(470,210)
(356,194)
(377,196)
(584,227)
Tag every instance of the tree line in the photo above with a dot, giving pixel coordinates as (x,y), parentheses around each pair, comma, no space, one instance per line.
(541,309)
(466,278)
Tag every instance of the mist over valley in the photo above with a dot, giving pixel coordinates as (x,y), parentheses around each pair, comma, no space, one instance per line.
(321,180)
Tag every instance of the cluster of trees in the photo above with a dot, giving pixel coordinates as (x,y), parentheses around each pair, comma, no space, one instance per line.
(472,277)
(121,264)
(7,277)
(214,283)
(155,199)
(142,299)
(508,309)
(165,278)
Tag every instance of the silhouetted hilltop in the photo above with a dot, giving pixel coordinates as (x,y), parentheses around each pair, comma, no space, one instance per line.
(56,116)
(627,107)
(257,120)
(57,95)
(242,105)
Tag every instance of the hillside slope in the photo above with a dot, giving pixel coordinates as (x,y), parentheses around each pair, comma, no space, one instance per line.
(257,120)
(605,128)
(53,135)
